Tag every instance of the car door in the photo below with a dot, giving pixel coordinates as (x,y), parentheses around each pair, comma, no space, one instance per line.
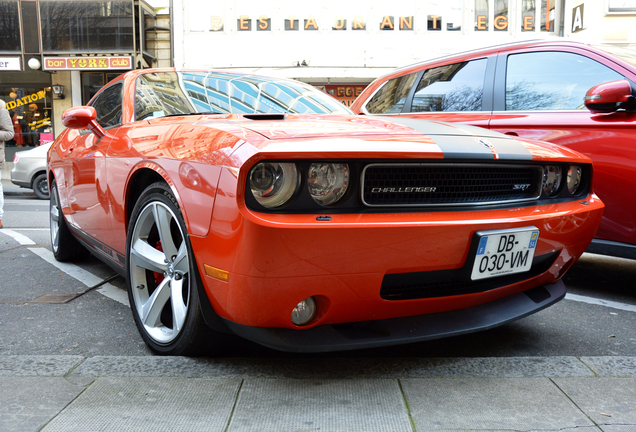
(539,94)
(86,181)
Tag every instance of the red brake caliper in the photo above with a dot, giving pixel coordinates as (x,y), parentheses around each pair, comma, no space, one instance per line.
(158,276)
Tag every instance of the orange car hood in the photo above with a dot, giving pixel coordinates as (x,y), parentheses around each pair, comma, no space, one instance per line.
(320,126)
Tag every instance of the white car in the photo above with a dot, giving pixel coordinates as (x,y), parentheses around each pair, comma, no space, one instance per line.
(29,170)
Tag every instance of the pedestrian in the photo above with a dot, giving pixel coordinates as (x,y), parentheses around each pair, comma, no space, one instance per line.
(6,133)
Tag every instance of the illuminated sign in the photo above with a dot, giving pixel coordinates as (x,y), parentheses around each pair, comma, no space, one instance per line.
(10,63)
(87,63)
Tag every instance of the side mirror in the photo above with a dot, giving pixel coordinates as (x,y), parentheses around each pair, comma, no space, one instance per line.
(610,97)
(83,118)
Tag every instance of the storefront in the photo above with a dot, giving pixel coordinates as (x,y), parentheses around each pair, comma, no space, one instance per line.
(29,101)
(55,54)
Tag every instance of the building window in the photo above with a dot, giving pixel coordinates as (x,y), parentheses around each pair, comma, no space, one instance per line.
(548,13)
(91,26)
(9,27)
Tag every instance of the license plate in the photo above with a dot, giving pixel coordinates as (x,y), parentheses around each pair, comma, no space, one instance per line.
(504,252)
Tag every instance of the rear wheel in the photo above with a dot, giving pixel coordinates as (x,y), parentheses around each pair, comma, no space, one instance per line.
(41,186)
(162,282)
(65,247)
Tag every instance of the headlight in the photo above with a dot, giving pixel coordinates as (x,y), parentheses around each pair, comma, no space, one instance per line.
(574,178)
(327,182)
(273,183)
(551,179)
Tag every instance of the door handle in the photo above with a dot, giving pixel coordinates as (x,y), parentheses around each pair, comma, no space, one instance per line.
(512,133)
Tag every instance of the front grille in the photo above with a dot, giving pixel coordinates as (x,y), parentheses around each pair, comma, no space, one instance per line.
(449,184)
(446,283)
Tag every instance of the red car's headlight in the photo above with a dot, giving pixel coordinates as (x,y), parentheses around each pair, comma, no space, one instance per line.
(273,183)
(574,178)
(327,182)
(551,179)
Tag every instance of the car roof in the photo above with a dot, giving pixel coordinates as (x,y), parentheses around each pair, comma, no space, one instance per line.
(493,50)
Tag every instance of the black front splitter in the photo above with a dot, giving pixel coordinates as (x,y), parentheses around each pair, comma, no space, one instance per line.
(395,331)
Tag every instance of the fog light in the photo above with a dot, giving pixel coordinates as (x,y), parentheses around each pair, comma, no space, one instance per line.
(304,312)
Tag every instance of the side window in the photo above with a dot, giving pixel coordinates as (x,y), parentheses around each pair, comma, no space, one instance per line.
(552,80)
(108,106)
(456,87)
(391,97)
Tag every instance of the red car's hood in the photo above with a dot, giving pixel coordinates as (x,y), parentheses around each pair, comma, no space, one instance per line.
(331,126)
(451,141)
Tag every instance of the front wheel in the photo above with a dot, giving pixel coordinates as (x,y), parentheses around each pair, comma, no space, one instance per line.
(162,283)
(65,247)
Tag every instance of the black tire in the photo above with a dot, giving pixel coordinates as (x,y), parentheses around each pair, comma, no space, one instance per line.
(40,186)
(65,247)
(169,325)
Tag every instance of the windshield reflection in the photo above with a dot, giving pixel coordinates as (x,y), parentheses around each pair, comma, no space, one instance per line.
(181,93)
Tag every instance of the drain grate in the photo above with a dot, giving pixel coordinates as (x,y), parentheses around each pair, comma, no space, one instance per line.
(55,298)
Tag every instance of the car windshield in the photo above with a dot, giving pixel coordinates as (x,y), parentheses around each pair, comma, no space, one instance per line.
(181,93)
(627,55)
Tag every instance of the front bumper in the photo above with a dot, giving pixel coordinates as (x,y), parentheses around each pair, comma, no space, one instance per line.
(395,331)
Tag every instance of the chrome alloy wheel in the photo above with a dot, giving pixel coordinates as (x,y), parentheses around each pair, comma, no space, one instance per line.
(159,272)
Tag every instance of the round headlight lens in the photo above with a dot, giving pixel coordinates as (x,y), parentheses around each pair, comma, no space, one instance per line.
(574,178)
(327,182)
(551,179)
(273,183)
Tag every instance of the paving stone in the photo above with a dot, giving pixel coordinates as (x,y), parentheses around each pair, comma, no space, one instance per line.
(519,404)
(186,367)
(607,401)
(150,404)
(28,403)
(25,365)
(272,405)
(615,366)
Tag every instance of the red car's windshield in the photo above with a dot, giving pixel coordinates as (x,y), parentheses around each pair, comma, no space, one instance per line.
(178,93)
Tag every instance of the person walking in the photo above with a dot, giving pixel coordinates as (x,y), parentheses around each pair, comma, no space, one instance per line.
(6,133)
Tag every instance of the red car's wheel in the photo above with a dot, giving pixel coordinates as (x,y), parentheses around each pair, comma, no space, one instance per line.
(65,247)
(161,279)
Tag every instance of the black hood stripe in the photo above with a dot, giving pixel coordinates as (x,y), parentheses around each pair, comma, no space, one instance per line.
(458,141)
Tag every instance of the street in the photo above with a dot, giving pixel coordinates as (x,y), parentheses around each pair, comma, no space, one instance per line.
(71,359)
(41,316)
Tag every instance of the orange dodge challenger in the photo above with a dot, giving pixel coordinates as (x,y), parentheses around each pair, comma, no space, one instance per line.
(261,207)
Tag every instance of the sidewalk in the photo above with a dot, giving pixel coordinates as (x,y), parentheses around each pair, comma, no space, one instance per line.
(72,393)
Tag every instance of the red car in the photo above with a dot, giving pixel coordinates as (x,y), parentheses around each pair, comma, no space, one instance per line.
(264,208)
(546,90)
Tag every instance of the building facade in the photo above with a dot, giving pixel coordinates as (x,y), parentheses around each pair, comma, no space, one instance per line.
(343,45)
(57,54)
